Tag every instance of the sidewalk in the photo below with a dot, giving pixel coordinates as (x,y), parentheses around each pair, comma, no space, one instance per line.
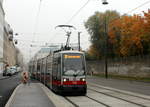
(29,96)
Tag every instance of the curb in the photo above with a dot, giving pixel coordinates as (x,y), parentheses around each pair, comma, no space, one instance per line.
(9,102)
(57,100)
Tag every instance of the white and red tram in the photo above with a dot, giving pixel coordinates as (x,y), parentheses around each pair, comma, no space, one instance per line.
(62,71)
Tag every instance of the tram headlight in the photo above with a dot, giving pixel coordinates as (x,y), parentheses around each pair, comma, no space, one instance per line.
(64,79)
(82,79)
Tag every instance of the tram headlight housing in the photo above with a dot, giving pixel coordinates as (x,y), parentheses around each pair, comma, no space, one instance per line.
(82,79)
(65,79)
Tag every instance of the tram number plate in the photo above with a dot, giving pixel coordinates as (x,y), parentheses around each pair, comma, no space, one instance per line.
(74,82)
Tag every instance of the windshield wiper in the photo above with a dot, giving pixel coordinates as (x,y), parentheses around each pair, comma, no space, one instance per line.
(75,75)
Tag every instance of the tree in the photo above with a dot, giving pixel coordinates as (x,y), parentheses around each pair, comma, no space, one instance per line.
(128,30)
(96,29)
(146,37)
(130,35)
(127,35)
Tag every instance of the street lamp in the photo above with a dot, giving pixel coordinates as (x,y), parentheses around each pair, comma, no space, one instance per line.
(104,2)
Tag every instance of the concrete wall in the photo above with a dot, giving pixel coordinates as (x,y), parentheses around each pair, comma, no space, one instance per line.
(132,67)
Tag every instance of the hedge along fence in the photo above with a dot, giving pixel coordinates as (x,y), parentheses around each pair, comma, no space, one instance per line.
(135,66)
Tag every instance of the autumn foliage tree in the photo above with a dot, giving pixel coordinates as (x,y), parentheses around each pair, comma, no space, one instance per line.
(128,30)
(130,35)
(146,37)
(127,35)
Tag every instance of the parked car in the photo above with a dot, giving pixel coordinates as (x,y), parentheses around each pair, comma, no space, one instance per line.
(9,72)
(13,69)
(5,72)
(18,69)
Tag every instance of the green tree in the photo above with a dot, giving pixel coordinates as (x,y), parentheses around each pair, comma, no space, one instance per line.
(95,26)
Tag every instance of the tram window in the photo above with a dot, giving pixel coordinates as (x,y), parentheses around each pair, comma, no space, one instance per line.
(55,64)
(59,68)
(38,67)
(55,61)
(59,61)
(73,64)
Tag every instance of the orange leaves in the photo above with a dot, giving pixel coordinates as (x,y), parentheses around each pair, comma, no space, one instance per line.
(147,21)
(132,31)
(92,51)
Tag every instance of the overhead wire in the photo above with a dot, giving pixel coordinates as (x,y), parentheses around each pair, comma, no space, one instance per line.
(35,26)
(130,11)
(77,12)
(36,20)
(141,5)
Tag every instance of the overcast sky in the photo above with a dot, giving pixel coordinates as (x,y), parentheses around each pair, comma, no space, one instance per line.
(23,18)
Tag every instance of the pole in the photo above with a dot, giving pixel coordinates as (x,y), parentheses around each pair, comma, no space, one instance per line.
(79,40)
(106,48)
(104,2)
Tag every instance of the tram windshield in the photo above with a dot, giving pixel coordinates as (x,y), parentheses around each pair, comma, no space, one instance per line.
(73,64)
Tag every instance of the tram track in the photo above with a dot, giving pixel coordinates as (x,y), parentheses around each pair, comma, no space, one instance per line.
(112,94)
(76,105)
(120,92)
(120,98)
(98,101)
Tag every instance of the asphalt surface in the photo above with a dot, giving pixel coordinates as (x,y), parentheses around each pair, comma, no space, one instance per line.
(31,95)
(132,86)
(7,85)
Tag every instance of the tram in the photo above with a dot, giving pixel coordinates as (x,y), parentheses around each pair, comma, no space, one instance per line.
(61,71)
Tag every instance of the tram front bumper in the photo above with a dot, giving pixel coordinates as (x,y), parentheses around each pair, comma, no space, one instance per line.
(76,88)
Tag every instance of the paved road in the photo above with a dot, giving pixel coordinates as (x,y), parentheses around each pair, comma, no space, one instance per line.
(6,88)
(3,77)
(132,86)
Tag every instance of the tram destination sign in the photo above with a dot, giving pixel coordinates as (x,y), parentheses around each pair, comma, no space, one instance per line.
(72,56)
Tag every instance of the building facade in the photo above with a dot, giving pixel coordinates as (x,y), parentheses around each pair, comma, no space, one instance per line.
(1,35)
(9,49)
(19,59)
